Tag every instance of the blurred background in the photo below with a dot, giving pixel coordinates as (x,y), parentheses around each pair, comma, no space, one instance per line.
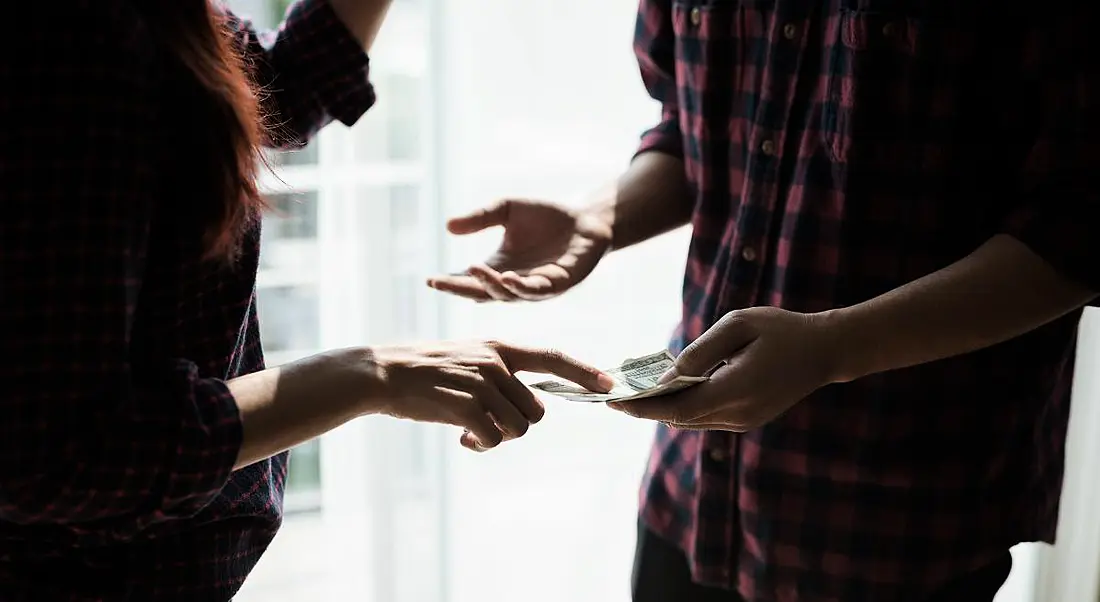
(480,99)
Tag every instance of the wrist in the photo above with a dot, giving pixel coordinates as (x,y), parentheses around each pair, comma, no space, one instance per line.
(597,221)
(844,345)
(376,367)
(351,379)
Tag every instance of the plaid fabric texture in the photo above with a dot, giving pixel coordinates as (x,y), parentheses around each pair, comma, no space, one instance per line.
(837,150)
(119,435)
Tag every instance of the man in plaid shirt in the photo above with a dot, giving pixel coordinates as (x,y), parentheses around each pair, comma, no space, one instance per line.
(891,205)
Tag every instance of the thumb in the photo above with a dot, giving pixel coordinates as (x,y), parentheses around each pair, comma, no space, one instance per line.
(486,217)
(715,346)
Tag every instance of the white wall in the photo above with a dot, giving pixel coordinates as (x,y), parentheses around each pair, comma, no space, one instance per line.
(1070,572)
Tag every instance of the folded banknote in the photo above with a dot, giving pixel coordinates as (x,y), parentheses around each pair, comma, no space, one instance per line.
(635,378)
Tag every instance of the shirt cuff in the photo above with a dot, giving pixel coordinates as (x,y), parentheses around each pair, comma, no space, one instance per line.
(329,59)
(664,138)
(1065,237)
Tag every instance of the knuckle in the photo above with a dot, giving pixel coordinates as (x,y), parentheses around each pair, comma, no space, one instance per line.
(493,438)
(733,318)
(689,352)
(555,356)
(471,412)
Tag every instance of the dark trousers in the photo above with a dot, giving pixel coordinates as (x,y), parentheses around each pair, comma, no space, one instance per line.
(661,575)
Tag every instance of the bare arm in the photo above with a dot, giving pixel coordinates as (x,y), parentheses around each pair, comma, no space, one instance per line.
(1044,263)
(284,406)
(363,18)
(1002,290)
(651,198)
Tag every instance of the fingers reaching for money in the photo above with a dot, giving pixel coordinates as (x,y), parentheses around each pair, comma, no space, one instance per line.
(635,379)
(473,385)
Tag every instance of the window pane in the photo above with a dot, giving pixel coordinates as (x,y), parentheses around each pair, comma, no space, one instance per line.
(305,470)
(405,118)
(289,318)
(302,156)
(278,9)
(391,131)
(405,319)
(292,215)
(404,208)
(289,239)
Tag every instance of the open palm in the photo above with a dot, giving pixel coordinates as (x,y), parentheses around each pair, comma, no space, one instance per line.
(546,250)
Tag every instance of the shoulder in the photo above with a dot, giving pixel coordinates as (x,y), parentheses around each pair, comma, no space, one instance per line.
(82,37)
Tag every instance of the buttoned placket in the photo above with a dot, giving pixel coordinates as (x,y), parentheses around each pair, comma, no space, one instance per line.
(721,449)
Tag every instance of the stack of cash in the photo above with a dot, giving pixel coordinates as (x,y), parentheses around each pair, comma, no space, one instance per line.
(635,378)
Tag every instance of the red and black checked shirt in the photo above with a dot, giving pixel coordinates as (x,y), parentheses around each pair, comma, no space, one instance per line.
(837,150)
(118,435)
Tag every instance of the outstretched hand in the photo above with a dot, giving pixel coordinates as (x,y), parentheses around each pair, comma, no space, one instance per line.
(473,385)
(546,250)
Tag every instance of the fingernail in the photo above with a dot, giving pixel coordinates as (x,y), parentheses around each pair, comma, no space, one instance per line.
(614,405)
(605,381)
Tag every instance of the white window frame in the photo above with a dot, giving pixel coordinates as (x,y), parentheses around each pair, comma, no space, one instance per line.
(362,495)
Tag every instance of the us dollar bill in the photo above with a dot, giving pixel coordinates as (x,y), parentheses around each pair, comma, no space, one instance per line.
(635,378)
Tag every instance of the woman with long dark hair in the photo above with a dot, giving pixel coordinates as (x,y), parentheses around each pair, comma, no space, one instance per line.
(142,442)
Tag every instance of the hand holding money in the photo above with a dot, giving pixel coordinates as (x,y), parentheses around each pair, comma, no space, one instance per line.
(761,361)
(636,378)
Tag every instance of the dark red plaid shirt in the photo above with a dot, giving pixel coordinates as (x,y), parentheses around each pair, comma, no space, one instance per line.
(118,434)
(837,150)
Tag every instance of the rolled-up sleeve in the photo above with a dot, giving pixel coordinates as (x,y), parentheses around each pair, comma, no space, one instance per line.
(92,440)
(1058,212)
(654,47)
(310,71)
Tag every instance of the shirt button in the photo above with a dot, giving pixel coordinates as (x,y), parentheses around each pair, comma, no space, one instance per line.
(789,31)
(748,254)
(696,16)
(719,455)
(889,30)
(768,147)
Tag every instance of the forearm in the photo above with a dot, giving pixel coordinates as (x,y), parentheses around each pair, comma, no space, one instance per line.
(998,292)
(651,198)
(285,406)
(363,18)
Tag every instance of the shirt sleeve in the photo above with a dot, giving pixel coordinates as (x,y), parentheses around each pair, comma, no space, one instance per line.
(88,442)
(310,71)
(654,45)
(1058,212)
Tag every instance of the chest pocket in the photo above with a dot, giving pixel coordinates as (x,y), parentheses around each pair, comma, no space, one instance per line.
(895,76)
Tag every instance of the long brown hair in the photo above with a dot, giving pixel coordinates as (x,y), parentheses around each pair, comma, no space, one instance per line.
(197,34)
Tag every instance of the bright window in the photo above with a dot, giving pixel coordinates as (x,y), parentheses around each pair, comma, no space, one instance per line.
(476,101)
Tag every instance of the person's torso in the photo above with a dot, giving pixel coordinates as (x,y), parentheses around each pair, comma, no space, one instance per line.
(205,312)
(838,150)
